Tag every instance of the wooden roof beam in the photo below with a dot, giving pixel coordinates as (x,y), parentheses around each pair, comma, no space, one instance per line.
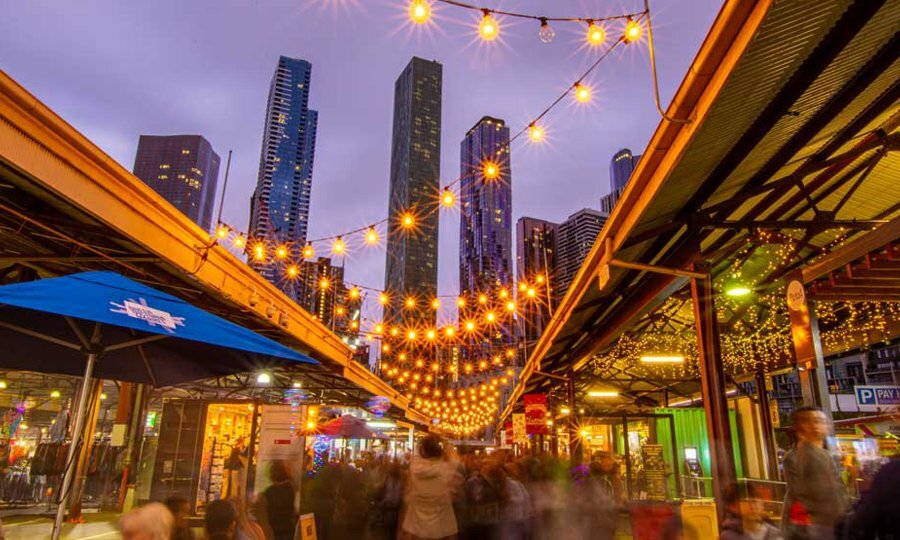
(857,249)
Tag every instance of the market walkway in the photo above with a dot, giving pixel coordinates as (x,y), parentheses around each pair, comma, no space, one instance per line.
(32,527)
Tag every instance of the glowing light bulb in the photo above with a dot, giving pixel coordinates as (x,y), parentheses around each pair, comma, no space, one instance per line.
(383,299)
(448,199)
(531,292)
(510,306)
(354,293)
(411,335)
(222,231)
(461,302)
(482,299)
(633,31)
(535,133)
(379,328)
(436,303)
(54,394)
(596,34)
(308,252)
(410,302)
(490,316)
(449,331)
(490,170)
(582,93)
(292,271)
(281,252)
(470,326)
(431,334)
(339,247)
(407,220)
(371,236)
(546,34)
(539,278)
(324,283)
(523,286)
(259,251)
(419,11)
(488,28)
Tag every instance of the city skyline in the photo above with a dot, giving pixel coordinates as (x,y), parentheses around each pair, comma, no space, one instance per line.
(223,100)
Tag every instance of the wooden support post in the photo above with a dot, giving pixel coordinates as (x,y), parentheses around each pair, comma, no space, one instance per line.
(712,385)
(765,425)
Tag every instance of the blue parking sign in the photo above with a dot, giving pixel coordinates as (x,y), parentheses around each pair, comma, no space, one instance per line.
(865,395)
(881,396)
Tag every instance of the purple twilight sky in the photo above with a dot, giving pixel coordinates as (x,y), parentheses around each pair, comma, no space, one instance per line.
(118,69)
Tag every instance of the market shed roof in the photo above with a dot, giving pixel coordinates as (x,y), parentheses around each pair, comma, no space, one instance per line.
(788,151)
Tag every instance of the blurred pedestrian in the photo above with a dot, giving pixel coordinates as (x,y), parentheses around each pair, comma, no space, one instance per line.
(744,518)
(221,520)
(247,528)
(429,496)
(816,498)
(149,522)
(516,507)
(279,500)
(878,512)
(181,510)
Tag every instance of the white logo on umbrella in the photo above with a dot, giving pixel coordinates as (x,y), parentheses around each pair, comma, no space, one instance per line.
(138,309)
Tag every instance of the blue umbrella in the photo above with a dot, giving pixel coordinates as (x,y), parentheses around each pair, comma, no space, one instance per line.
(106,325)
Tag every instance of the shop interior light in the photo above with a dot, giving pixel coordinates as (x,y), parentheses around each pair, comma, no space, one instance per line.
(103,395)
(565,410)
(662,359)
(263,378)
(603,393)
(2,385)
(54,394)
(738,290)
(381,424)
(298,384)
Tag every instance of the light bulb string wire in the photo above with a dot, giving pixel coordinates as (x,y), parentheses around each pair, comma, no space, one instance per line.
(540,18)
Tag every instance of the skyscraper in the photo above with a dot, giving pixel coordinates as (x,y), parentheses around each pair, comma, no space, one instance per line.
(184,170)
(320,289)
(536,258)
(485,226)
(577,235)
(415,183)
(621,166)
(279,207)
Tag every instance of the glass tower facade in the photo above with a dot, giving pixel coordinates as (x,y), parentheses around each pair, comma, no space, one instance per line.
(621,166)
(415,186)
(279,207)
(536,247)
(577,236)
(184,170)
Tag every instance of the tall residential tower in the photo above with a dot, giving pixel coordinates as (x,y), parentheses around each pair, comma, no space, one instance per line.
(184,170)
(577,235)
(279,207)
(536,262)
(415,183)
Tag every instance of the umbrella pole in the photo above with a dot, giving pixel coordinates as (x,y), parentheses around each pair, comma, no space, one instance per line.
(73,446)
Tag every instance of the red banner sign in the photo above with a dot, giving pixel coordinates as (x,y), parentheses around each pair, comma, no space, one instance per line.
(536,414)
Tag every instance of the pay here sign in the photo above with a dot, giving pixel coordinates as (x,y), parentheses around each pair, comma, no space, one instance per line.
(883,396)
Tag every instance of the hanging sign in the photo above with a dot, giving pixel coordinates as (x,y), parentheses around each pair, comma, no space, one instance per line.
(520,433)
(536,413)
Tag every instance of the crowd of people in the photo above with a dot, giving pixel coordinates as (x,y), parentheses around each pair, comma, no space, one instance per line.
(437,494)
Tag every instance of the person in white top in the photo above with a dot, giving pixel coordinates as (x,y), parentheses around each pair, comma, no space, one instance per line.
(429,496)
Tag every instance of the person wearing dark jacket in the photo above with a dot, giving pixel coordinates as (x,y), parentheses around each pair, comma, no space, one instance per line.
(878,512)
(744,519)
(279,502)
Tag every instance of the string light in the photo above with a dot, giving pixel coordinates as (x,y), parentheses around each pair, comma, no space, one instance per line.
(582,92)
(633,31)
(324,283)
(408,220)
(546,34)
(371,236)
(490,170)
(448,199)
(410,302)
(259,251)
(436,303)
(354,293)
(596,34)
(292,271)
(488,28)
(383,299)
(339,247)
(419,11)
(222,231)
(535,133)
(281,252)
(308,252)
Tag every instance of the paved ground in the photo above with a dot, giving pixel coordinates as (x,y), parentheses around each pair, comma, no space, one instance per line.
(31,525)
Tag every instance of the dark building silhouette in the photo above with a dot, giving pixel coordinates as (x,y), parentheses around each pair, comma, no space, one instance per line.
(577,235)
(279,207)
(536,259)
(412,255)
(184,170)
